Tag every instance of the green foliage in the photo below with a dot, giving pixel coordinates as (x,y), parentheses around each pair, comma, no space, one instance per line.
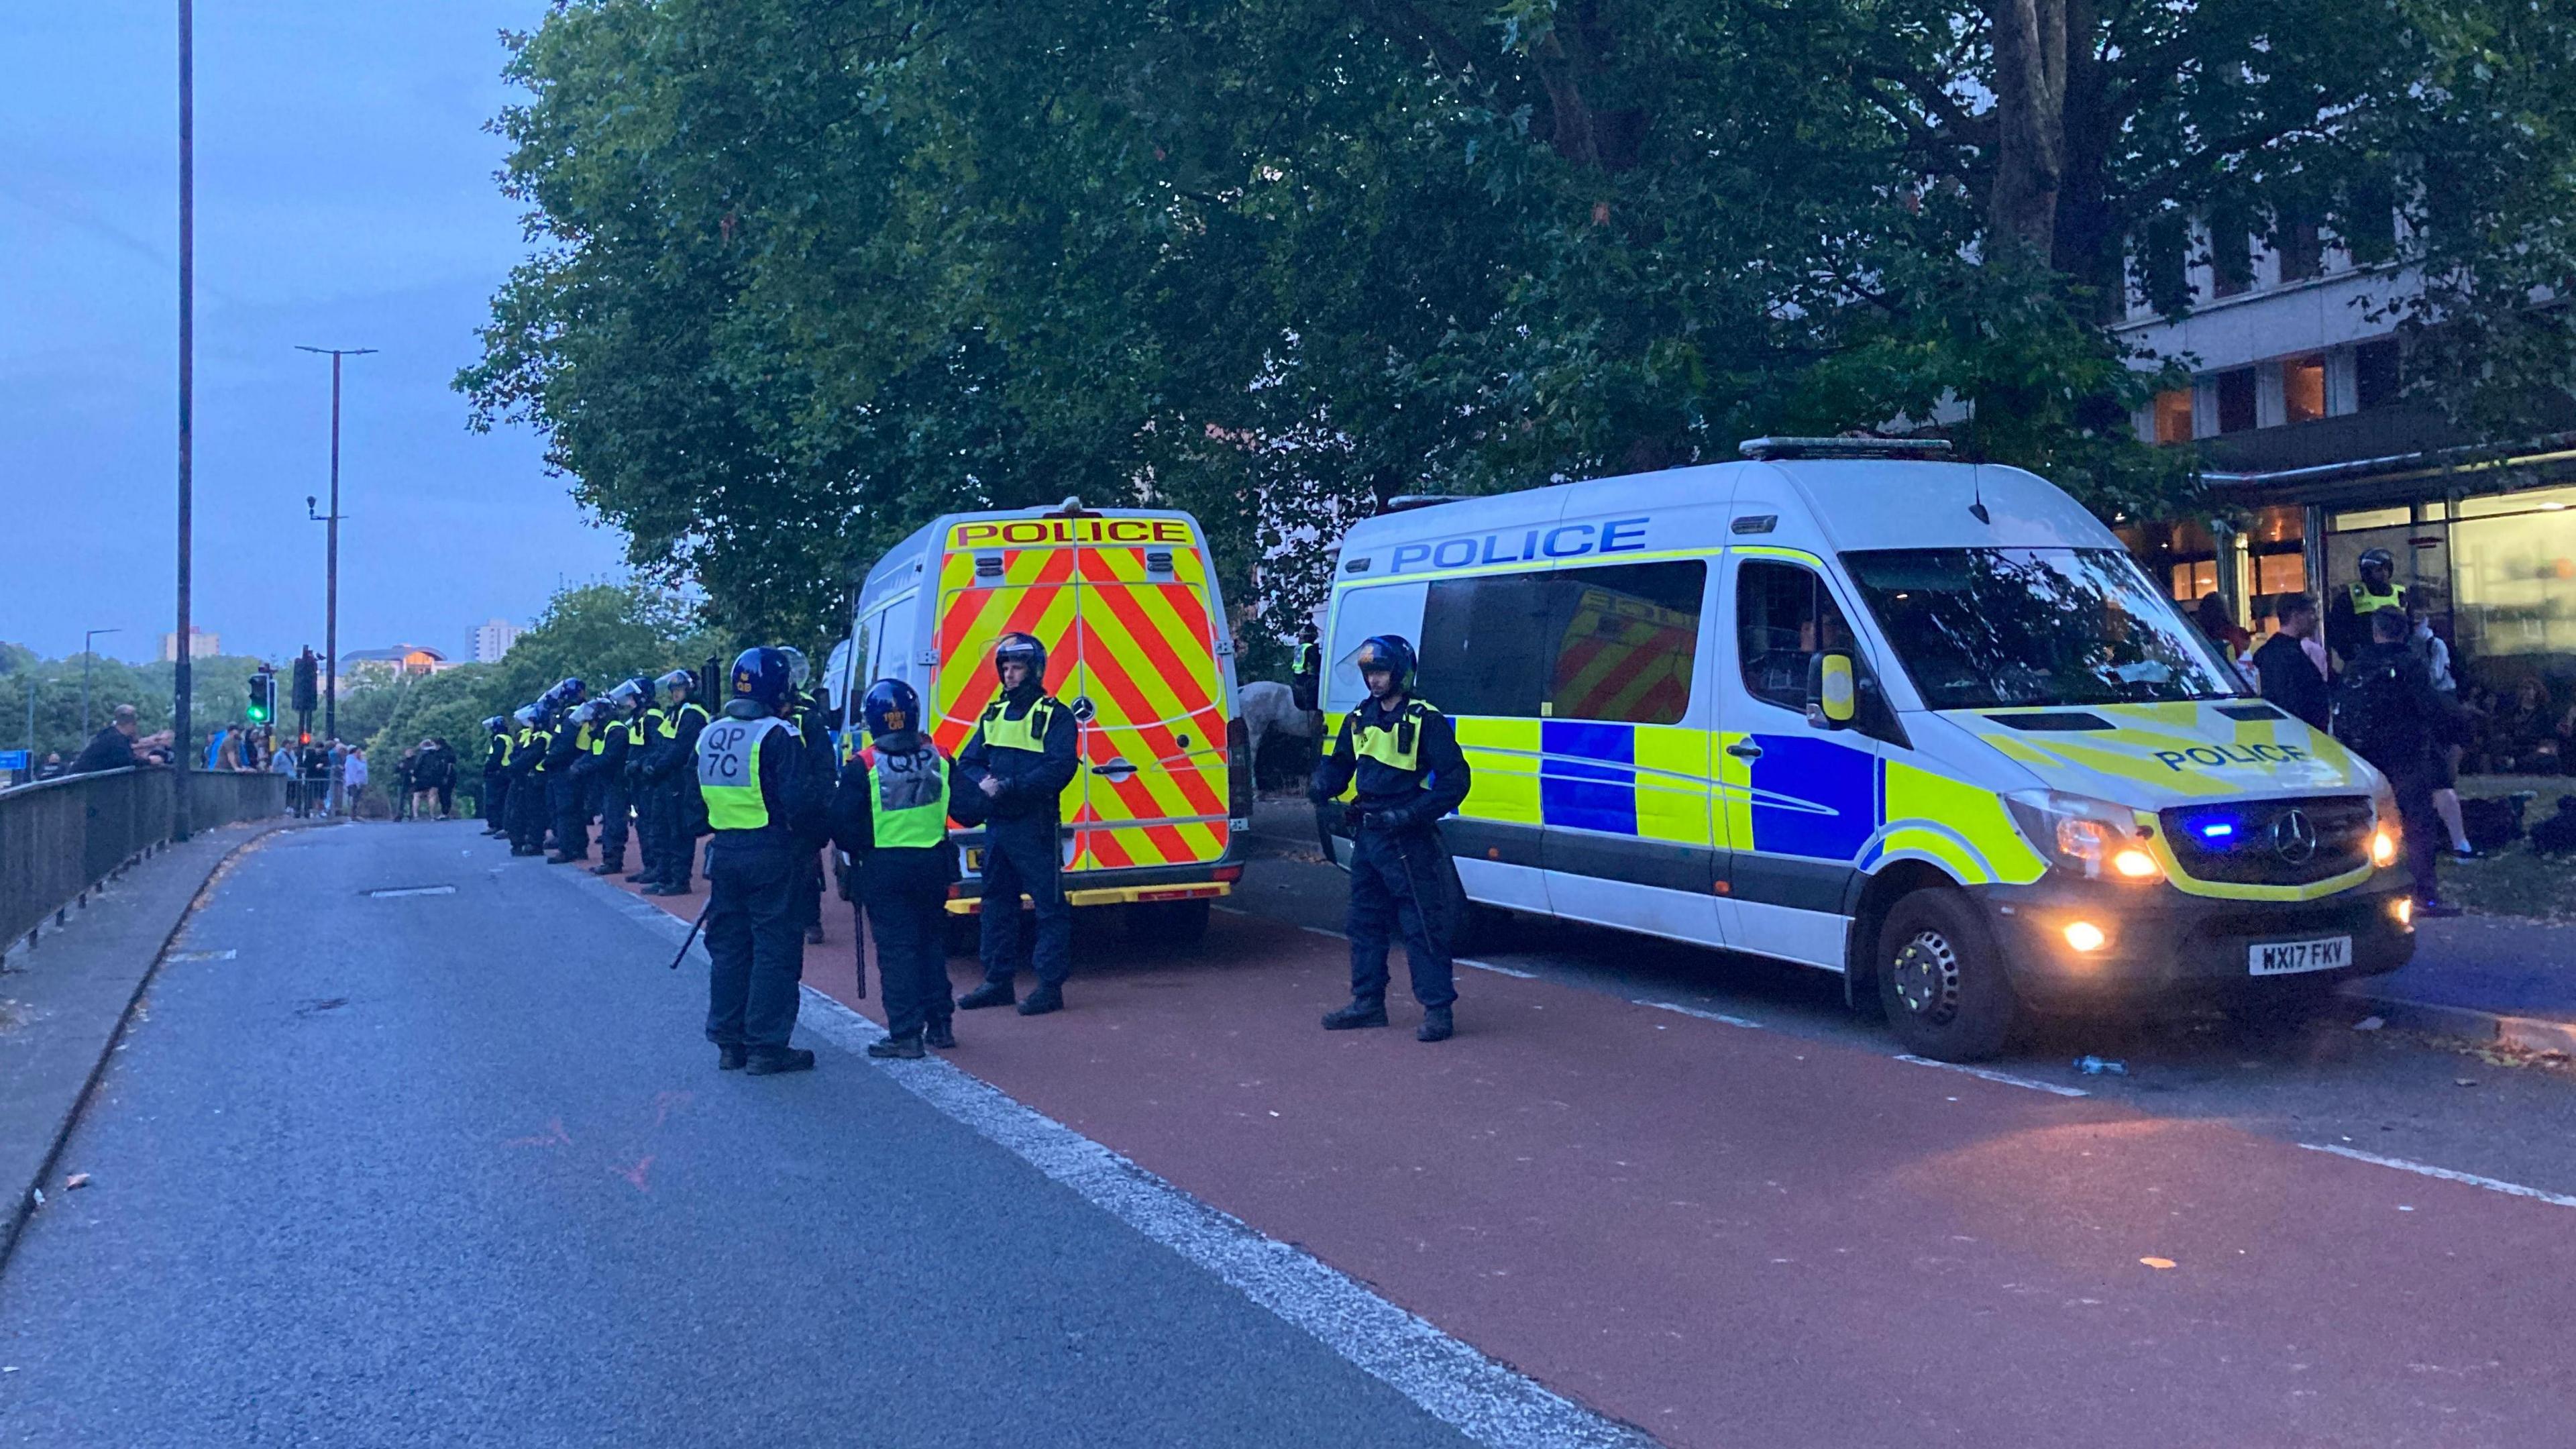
(806,274)
(600,634)
(220,692)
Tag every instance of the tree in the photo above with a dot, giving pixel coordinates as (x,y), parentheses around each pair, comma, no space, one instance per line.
(805,275)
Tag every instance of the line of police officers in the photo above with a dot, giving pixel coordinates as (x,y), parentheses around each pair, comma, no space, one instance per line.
(760,777)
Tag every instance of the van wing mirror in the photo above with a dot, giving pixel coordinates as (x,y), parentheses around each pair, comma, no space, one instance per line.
(1829,691)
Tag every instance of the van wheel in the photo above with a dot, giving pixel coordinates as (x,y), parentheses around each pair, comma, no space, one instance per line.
(1168,923)
(1942,980)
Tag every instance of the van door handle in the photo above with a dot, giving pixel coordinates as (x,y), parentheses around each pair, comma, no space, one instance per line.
(1745,750)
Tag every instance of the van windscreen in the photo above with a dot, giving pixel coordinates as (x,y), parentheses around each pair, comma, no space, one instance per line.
(1978,628)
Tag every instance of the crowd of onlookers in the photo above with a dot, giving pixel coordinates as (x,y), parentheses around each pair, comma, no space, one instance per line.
(325,776)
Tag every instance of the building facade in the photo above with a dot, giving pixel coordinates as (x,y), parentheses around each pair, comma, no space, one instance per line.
(401,659)
(202,644)
(2312,456)
(493,639)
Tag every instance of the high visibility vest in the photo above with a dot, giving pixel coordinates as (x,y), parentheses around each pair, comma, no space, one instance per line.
(1310,659)
(1396,743)
(911,798)
(541,741)
(599,742)
(582,740)
(506,748)
(729,772)
(670,723)
(635,730)
(2366,601)
(1028,732)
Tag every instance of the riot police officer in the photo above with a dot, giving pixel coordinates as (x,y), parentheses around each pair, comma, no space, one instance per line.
(766,806)
(891,815)
(817,735)
(1017,762)
(528,781)
(570,747)
(2348,609)
(617,747)
(1403,755)
(496,776)
(677,805)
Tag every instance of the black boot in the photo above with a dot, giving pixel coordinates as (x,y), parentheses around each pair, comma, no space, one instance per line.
(731,1058)
(607,868)
(940,1034)
(991,993)
(1043,1000)
(896,1048)
(774,1060)
(1436,1025)
(1361,1012)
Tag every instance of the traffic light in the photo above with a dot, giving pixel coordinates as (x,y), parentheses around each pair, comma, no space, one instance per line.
(308,695)
(263,698)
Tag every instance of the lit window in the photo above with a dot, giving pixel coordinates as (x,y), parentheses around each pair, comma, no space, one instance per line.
(2173,416)
(2303,389)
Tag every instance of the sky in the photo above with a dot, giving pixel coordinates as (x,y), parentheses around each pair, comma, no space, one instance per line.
(344,199)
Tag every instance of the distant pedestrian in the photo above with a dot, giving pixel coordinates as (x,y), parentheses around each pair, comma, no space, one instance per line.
(2222,628)
(2436,653)
(353,779)
(405,771)
(2287,673)
(434,779)
(52,768)
(114,747)
(2388,712)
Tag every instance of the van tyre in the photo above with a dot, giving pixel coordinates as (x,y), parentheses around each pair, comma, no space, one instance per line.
(1941,979)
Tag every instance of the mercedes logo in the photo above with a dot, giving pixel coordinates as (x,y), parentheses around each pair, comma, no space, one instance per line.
(2294,837)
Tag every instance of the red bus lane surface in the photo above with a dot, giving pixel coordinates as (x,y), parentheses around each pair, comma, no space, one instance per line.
(1732,1236)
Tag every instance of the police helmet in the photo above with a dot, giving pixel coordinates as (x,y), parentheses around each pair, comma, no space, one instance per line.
(628,691)
(760,675)
(678,679)
(1023,648)
(798,671)
(528,714)
(891,708)
(496,724)
(569,691)
(1390,652)
(2378,558)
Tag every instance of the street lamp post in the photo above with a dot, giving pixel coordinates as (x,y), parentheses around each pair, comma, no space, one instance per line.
(86,653)
(183,681)
(331,564)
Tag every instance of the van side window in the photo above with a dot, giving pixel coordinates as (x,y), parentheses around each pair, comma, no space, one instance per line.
(1782,617)
(1613,644)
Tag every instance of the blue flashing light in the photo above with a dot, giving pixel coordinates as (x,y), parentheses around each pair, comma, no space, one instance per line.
(2217,829)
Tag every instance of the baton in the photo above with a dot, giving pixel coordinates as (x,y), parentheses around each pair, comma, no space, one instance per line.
(1324,832)
(694,927)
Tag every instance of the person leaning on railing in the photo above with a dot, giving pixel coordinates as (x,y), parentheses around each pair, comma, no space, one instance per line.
(120,746)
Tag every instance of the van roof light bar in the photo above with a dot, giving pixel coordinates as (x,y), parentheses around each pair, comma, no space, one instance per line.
(1405,502)
(1769,449)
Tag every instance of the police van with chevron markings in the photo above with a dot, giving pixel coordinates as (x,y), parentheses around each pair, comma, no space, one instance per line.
(1922,723)
(1126,603)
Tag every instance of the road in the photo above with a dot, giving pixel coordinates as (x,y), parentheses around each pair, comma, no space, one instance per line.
(457,1168)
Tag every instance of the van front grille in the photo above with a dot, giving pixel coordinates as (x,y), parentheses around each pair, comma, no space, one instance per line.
(2271,842)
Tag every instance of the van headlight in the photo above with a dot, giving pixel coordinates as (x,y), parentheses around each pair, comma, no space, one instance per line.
(2096,839)
(2385,832)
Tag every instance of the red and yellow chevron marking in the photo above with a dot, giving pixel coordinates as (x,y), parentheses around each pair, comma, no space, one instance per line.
(1141,648)
(1623,658)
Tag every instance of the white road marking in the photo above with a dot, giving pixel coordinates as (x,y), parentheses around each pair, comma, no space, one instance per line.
(397,892)
(202,955)
(1498,970)
(2491,1184)
(2005,1078)
(1487,1401)
(1320,931)
(1745,1022)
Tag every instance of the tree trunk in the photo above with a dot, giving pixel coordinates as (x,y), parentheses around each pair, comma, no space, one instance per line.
(2030,115)
(2089,246)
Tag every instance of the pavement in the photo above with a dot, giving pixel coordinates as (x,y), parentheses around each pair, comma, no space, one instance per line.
(456,1167)
(64,1000)
(2486,976)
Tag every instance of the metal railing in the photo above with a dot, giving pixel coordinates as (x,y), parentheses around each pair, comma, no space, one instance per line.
(59,838)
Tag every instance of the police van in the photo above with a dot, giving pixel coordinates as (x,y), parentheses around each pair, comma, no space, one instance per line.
(1925,724)
(1126,603)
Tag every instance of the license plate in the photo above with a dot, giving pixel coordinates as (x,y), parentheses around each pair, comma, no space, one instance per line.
(2283,958)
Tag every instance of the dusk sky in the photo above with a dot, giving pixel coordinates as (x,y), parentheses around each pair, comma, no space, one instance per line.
(344,199)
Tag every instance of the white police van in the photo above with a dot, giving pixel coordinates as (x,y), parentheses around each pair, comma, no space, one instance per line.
(1923,723)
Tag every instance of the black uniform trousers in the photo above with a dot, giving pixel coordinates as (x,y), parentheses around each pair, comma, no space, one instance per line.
(572,823)
(528,813)
(1020,858)
(905,894)
(675,814)
(755,943)
(612,824)
(1402,881)
(2420,826)
(496,800)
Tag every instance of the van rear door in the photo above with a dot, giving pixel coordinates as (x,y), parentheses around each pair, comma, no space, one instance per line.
(1151,691)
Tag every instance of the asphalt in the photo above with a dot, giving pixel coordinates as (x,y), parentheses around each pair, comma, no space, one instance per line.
(457,1168)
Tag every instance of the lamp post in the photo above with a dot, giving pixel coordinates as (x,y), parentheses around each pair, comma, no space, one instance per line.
(86,653)
(331,565)
(183,681)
